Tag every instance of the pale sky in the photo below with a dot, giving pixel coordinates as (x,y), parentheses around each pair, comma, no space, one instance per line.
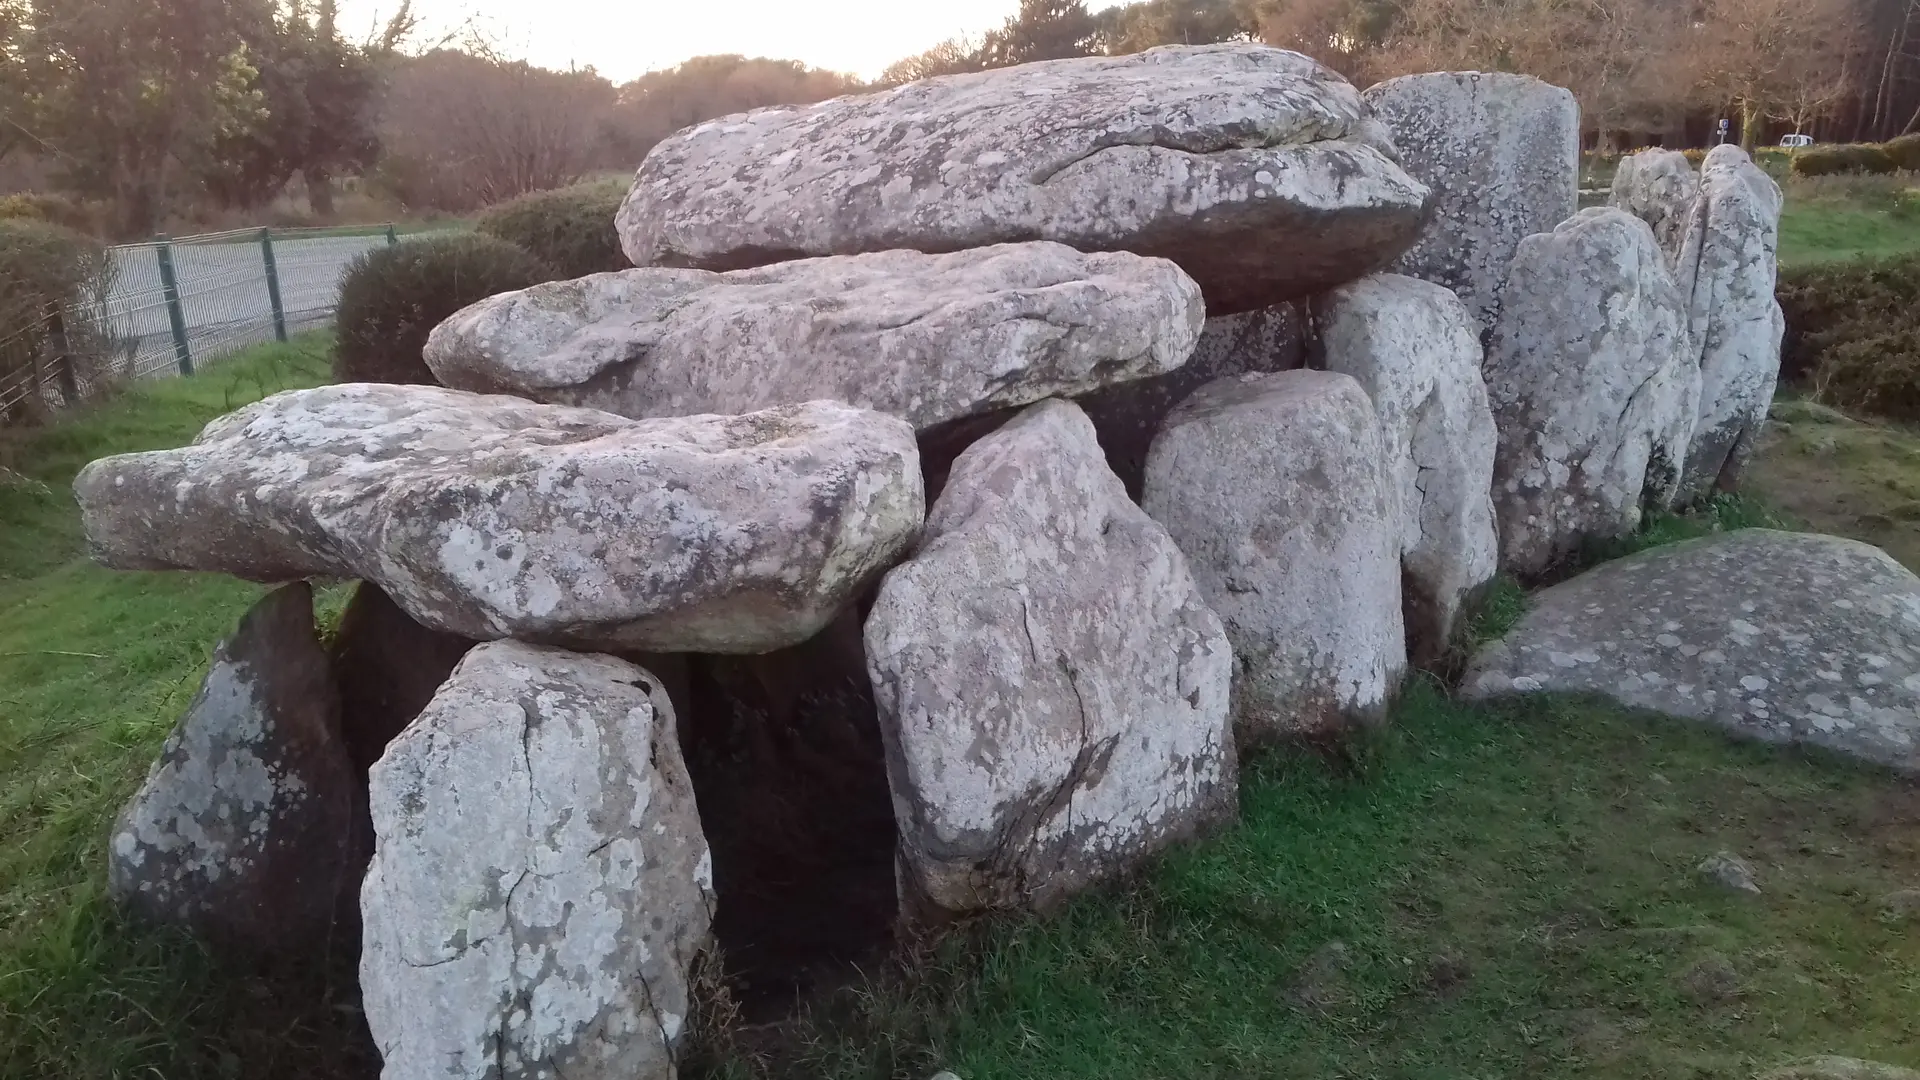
(626,39)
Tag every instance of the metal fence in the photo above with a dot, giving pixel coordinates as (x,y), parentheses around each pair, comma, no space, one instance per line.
(174,305)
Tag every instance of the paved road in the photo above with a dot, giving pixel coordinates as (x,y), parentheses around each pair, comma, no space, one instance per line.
(223,294)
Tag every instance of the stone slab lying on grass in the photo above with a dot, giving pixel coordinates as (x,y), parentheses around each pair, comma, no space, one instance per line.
(540,886)
(927,338)
(242,830)
(1259,171)
(494,517)
(1051,686)
(1785,637)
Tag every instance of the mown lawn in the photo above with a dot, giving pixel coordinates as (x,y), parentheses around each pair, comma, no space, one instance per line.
(1478,892)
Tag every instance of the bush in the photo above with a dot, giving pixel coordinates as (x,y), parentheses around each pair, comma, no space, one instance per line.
(51,209)
(1904,152)
(392,297)
(1843,158)
(1853,333)
(570,229)
(43,266)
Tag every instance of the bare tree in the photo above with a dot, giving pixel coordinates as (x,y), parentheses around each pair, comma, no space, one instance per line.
(463,130)
(1773,59)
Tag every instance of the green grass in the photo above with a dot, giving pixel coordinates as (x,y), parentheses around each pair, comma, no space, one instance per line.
(1515,893)
(1513,886)
(1849,217)
(94,668)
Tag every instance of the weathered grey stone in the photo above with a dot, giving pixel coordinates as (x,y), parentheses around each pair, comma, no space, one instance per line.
(1840,1068)
(1414,349)
(1659,187)
(541,885)
(1502,155)
(1785,637)
(927,338)
(1051,687)
(1729,871)
(242,831)
(492,517)
(1592,386)
(1727,267)
(1128,416)
(1257,170)
(1277,490)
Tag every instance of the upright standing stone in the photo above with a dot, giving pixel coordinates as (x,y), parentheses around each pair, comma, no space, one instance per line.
(1052,689)
(1727,268)
(1502,155)
(243,829)
(1415,351)
(1278,491)
(1659,187)
(1257,170)
(1592,385)
(541,884)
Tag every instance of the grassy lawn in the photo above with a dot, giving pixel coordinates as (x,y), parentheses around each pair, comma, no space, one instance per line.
(1476,892)
(94,668)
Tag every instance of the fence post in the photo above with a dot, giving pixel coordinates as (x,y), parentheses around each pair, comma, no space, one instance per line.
(273,285)
(62,355)
(392,237)
(170,290)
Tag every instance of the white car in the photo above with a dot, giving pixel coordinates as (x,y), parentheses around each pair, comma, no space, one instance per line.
(1796,141)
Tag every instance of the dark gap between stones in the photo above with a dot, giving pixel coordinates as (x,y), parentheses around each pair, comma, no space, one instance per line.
(790,778)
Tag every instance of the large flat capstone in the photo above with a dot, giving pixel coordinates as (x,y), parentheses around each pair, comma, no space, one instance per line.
(1785,637)
(1052,688)
(494,517)
(927,338)
(1257,170)
(540,885)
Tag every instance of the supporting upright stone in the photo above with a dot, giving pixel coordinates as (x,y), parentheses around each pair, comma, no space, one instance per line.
(1052,689)
(1592,385)
(1502,155)
(1277,490)
(243,829)
(541,885)
(1414,350)
(1728,263)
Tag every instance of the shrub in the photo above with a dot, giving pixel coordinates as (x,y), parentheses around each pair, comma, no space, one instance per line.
(1853,333)
(44,266)
(570,228)
(1904,152)
(52,209)
(392,297)
(1842,158)
(1873,373)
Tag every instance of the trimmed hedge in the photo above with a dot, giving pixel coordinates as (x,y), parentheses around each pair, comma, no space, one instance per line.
(571,228)
(1841,158)
(1853,334)
(1904,152)
(392,297)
